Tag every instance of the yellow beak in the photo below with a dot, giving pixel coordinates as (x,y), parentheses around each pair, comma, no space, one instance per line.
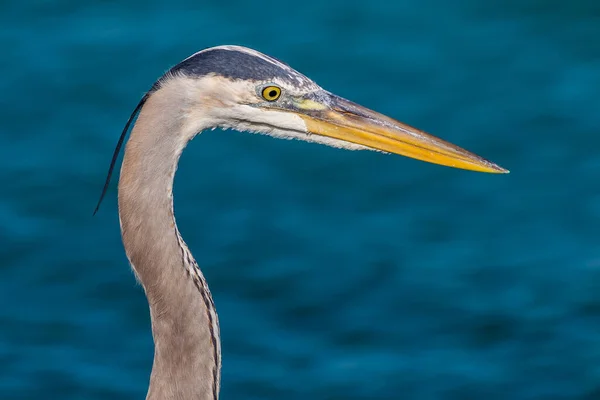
(337,118)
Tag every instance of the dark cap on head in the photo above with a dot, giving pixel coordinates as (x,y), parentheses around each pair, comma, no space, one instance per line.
(239,63)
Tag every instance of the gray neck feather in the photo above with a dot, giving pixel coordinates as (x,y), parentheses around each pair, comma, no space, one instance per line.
(187,356)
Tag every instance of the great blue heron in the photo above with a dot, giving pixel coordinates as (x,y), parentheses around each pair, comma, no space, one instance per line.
(238,88)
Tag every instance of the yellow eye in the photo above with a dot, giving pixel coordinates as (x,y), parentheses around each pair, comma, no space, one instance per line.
(271,93)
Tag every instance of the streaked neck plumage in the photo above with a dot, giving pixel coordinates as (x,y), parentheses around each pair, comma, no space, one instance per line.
(187,356)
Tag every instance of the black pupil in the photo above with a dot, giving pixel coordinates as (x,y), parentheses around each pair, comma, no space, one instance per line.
(273,93)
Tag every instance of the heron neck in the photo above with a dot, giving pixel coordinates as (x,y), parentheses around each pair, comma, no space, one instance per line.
(184,321)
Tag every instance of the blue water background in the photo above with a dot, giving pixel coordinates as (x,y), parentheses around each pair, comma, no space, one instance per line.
(337,275)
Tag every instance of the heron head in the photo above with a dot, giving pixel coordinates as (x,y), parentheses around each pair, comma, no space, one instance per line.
(239,88)
(235,87)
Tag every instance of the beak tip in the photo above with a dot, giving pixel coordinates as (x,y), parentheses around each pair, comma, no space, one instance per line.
(496,169)
(499,170)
